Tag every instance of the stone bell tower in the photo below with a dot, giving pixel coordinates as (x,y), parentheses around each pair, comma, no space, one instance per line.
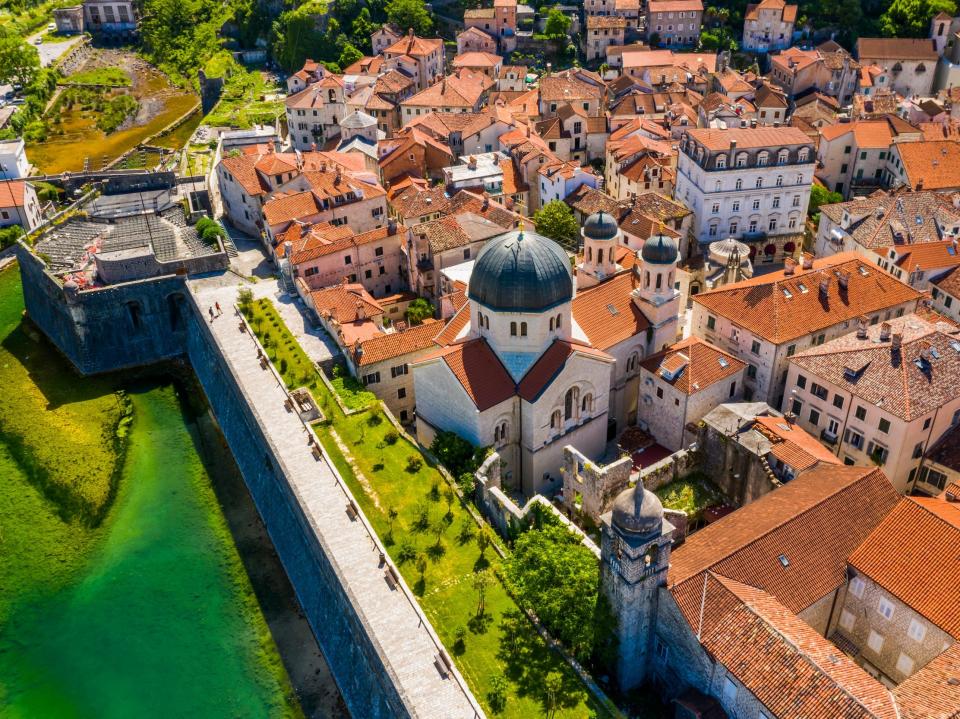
(635,544)
(654,291)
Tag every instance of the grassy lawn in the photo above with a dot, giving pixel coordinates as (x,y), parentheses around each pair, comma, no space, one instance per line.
(350,391)
(99,76)
(692,494)
(431,522)
(241,104)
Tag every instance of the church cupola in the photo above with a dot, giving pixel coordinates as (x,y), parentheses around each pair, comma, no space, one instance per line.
(655,293)
(601,237)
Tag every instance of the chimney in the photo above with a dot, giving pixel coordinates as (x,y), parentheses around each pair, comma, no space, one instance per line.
(925,352)
(360,314)
(806,261)
(824,284)
(486,202)
(885,331)
(789,266)
(843,279)
(862,322)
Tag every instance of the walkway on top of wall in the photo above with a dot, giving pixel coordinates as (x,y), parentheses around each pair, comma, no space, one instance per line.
(403,634)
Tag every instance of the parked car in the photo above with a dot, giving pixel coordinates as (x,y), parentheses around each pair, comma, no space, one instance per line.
(38,41)
(52,27)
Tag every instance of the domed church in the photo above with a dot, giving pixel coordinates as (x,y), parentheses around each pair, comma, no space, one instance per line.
(530,365)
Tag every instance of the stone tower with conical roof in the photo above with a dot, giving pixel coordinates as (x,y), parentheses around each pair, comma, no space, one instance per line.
(635,544)
(601,237)
(655,292)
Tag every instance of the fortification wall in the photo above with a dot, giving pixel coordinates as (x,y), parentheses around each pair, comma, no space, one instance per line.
(347,644)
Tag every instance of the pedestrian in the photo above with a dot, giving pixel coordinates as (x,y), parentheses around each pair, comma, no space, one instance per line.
(219,311)
(210,310)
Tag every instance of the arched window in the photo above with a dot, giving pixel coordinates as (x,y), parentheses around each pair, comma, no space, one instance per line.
(717,187)
(513,329)
(659,281)
(803,154)
(779,180)
(559,323)
(762,158)
(589,254)
(799,179)
(570,402)
(503,431)
(555,420)
(551,324)
(496,434)
(721,162)
(782,157)
(742,159)
(759,183)
(523,329)
(599,257)
(739,184)
(646,279)
(586,406)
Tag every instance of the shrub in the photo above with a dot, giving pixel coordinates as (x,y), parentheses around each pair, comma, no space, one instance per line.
(414,463)
(407,552)
(391,437)
(497,696)
(467,483)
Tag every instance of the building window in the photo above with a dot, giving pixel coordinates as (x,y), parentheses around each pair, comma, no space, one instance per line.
(847,620)
(372,378)
(801,381)
(905,664)
(555,420)
(752,371)
(917,630)
(759,183)
(755,347)
(398,371)
(885,608)
(523,329)
(711,322)
(854,439)
(739,184)
(402,393)
(856,587)
(818,391)
(570,403)
(884,426)
(875,641)
(860,413)
(814,417)
(513,329)
(659,392)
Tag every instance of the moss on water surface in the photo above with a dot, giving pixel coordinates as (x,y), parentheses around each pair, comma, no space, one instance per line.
(150,614)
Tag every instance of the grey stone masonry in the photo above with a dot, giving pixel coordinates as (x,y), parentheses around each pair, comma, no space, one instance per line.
(384,654)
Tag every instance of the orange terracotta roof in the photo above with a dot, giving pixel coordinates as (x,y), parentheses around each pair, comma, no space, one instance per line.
(477,59)
(607,314)
(934,164)
(295,206)
(699,364)
(398,344)
(838,505)
(454,326)
(674,5)
(793,671)
(896,48)
(913,555)
(346,303)
(776,307)
(926,256)
(479,371)
(792,445)
(550,364)
(415,46)
(11,193)
(752,137)
(243,169)
(933,692)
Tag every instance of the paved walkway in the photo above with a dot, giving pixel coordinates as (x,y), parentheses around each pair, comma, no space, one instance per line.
(403,633)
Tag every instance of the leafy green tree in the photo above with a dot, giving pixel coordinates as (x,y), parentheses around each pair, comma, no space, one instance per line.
(556,221)
(362,28)
(820,195)
(410,14)
(553,574)
(419,310)
(911,18)
(558,24)
(19,62)
(181,35)
(349,55)
(296,37)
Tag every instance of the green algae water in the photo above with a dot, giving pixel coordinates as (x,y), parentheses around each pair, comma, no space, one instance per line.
(149,614)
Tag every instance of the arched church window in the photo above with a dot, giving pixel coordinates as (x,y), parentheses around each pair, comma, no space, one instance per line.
(503,431)
(589,254)
(650,558)
(555,420)
(559,323)
(551,324)
(523,329)
(496,434)
(646,279)
(659,280)
(570,402)
(513,329)
(600,257)
(586,405)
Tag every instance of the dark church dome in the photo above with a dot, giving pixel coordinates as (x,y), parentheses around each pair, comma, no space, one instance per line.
(660,250)
(600,226)
(521,272)
(637,511)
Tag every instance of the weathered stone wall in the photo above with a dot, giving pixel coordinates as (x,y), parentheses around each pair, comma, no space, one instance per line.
(347,644)
(594,485)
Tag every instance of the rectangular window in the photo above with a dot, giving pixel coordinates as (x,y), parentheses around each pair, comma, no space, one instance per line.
(838,401)
(818,391)
(854,439)
(905,664)
(398,371)
(860,413)
(402,393)
(751,371)
(884,426)
(856,587)
(875,641)
(796,407)
(801,381)
(755,347)
(378,252)
(373,378)
(847,620)
(885,608)
(711,322)
(917,630)
(347,260)
(814,417)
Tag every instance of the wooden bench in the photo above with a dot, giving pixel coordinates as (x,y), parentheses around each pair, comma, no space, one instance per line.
(391,576)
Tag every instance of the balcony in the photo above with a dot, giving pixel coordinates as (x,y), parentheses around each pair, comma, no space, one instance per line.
(828,436)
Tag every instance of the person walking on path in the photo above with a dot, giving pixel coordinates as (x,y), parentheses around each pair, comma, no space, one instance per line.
(219,311)
(210,310)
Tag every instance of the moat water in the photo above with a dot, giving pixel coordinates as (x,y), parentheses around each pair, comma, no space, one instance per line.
(152,613)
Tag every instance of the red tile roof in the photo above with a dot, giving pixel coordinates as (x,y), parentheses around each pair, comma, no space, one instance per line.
(914,554)
(838,505)
(792,444)
(776,307)
(699,362)
(479,371)
(934,691)
(346,303)
(607,314)
(11,193)
(398,344)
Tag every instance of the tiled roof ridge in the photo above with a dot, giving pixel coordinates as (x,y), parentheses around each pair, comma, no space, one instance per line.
(748,604)
(869,345)
(834,491)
